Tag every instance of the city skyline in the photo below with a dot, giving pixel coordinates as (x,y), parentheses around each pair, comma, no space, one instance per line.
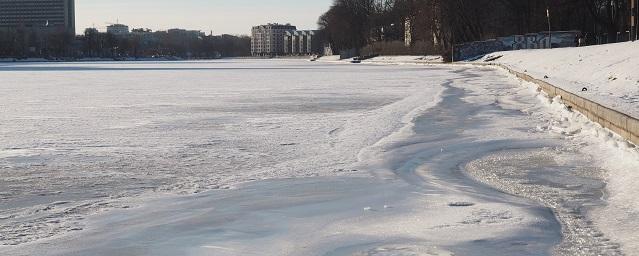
(221,17)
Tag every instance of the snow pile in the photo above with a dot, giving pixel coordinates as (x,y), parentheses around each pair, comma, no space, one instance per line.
(329,58)
(406,59)
(609,73)
(402,59)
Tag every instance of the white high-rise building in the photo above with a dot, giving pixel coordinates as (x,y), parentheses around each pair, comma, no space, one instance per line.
(268,40)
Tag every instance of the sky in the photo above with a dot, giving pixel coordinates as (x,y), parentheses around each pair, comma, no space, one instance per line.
(234,17)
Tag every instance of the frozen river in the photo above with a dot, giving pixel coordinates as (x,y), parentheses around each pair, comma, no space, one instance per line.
(296,158)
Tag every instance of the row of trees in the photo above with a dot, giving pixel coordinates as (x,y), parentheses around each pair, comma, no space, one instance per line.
(439,23)
(177,43)
(35,43)
(29,42)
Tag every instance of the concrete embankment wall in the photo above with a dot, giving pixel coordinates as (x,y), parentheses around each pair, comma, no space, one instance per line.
(618,122)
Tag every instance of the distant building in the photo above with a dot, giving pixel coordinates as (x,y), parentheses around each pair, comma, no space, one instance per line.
(268,40)
(145,37)
(183,33)
(91,31)
(302,42)
(37,14)
(118,29)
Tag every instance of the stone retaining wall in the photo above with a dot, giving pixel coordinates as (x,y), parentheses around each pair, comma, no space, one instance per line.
(618,122)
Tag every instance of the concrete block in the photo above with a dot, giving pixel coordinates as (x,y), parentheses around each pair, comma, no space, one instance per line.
(625,133)
(583,111)
(617,119)
(601,111)
(633,126)
(580,101)
(591,107)
(590,115)
(594,107)
(634,139)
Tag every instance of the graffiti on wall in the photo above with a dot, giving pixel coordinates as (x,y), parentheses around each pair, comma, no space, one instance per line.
(543,40)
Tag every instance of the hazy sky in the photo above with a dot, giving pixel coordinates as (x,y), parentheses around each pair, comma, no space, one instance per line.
(221,16)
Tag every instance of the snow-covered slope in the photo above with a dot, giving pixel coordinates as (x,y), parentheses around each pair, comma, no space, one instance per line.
(610,73)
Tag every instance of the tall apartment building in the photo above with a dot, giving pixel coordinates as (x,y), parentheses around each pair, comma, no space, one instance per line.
(268,40)
(37,14)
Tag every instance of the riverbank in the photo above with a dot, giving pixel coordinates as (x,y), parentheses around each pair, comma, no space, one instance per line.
(606,75)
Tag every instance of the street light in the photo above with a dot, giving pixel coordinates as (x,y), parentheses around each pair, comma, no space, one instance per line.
(549,33)
(634,13)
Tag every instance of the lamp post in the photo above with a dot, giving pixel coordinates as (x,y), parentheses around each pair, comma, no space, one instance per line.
(549,29)
(634,13)
(452,46)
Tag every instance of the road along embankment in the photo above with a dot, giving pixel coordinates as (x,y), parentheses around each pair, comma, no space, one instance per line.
(620,123)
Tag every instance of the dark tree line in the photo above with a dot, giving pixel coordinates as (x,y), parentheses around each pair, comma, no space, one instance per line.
(439,23)
(141,43)
(145,43)
(34,43)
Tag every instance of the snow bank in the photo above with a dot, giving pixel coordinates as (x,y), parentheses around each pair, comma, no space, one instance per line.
(608,72)
(407,59)
(329,58)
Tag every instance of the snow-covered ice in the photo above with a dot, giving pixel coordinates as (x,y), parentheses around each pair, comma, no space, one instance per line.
(87,134)
(280,157)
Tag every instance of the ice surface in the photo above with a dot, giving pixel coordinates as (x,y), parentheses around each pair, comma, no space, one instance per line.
(319,159)
(92,133)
